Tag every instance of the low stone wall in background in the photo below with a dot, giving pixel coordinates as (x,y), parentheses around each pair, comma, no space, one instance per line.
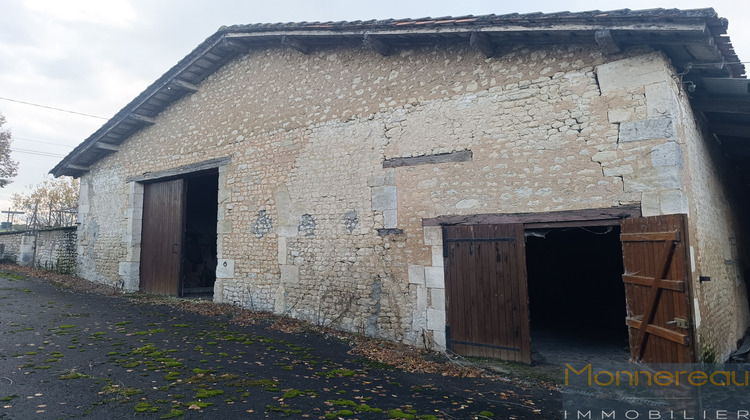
(51,249)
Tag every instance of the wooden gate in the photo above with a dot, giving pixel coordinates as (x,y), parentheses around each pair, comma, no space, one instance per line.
(487,311)
(161,237)
(657,289)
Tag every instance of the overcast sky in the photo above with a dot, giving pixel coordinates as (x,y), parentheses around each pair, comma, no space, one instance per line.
(94,56)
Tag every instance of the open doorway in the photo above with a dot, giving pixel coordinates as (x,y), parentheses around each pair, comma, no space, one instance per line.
(178,239)
(576,294)
(199,244)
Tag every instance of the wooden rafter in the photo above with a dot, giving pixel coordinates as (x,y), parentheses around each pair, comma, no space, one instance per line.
(482,43)
(141,118)
(734,130)
(376,45)
(77,167)
(107,146)
(181,84)
(603,37)
(296,43)
(233,45)
(724,105)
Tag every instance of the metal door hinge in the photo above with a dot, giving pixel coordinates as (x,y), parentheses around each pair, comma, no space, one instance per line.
(679,323)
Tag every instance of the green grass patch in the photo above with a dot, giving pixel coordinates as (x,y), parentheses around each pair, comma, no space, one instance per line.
(285,410)
(340,413)
(208,393)
(72,375)
(173,413)
(336,373)
(397,413)
(364,408)
(144,407)
(292,393)
(342,403)
(172,376)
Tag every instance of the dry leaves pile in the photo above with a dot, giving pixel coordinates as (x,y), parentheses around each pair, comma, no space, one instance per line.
(410,359)
(72,282)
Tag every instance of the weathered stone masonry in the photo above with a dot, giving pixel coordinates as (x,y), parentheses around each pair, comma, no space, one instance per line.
(51,249)
(305,192)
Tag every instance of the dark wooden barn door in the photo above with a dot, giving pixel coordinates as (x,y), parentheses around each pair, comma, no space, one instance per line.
(487,311)
(657,271)
(161,237)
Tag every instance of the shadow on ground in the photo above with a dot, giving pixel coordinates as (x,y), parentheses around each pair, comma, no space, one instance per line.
(66,354)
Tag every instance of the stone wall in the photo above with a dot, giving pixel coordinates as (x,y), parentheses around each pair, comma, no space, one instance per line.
(52,249)
(56,250)
(310,222)
(11,245)
(102,239)
(717,251)
(687,174)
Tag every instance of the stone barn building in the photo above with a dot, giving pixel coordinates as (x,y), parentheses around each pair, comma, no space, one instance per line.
(489,185)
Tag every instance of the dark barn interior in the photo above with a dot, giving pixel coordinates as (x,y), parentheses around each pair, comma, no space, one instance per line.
(576,294)
(199,246)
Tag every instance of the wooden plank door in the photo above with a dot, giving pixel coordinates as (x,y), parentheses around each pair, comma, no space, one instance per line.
(657,289)
(487,310)
(161,237)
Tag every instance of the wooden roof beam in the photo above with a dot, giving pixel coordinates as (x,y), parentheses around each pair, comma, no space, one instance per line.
(77,167)
(482,43)
(107,146)
(181,84)
(376,45)
(296,43)
(736,150)
(231,44)
(734,130)
(141,118)
(722,105)
(603,37)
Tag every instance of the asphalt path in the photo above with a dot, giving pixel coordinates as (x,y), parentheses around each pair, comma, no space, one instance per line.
(67,354)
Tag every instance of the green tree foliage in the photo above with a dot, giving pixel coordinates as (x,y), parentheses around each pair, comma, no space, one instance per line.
(53,202)
(8,167)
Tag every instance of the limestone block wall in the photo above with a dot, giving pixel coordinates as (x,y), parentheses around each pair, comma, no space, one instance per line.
(310,222)
(51,249)
(102,225)
(685,174)
(11,245)
(717,251)
(56,250)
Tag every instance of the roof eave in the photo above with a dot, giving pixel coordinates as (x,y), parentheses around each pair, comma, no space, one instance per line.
(699,30)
